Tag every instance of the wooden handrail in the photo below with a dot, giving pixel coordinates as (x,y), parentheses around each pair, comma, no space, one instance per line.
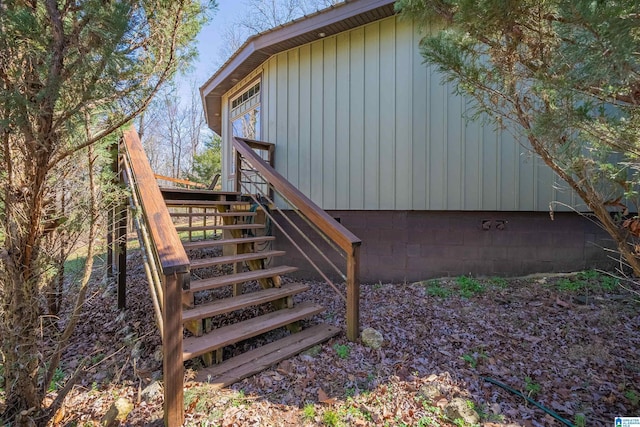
(258,145)
(171,259)
(180,181)
(171,254)
(213,184)
(344,238)
(264,146)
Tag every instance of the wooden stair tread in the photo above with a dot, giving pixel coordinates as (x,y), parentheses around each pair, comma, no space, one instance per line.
(227,305)
(219,227)
(202,244)
(252,362)
(246,276)
(198,203)
(226,335)
(230,259)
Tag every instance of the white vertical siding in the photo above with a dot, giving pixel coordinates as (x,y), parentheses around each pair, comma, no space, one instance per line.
(438,99)
(304,122)
(329,130)
(289,149)
(526,179)
(386,88)
(372,115)
(360,122)
(472,157)
(225,178)
(342,170)
(403,116)
(420,122)
(357,68)
(316,101)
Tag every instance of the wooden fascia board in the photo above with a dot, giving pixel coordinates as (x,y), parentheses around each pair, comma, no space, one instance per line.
(315,22)
(260,43)
(226,71)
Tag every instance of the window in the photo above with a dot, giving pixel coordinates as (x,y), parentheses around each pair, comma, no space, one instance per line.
(255,90)
(245,116)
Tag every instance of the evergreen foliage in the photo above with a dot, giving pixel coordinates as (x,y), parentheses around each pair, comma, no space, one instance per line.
(71,74)
(207,164)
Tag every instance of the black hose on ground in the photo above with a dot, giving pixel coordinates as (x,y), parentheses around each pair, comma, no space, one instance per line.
(530,400)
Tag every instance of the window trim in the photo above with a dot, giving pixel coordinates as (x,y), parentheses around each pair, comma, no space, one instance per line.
(237,94)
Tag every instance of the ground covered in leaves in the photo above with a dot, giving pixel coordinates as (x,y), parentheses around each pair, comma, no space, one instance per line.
(569,343)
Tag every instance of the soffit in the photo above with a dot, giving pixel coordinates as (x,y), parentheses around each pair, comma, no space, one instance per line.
(258,48)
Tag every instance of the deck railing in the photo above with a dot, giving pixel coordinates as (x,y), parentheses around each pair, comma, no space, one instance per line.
(167,266)
(179,182)
(257,176)
(165,262)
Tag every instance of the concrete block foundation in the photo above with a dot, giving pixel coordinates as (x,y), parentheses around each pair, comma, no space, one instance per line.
(417,245)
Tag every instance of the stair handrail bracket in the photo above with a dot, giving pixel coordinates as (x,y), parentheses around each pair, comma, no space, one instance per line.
(332,230)
(164,254)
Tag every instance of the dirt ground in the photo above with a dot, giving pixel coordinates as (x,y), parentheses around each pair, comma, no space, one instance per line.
(568,342)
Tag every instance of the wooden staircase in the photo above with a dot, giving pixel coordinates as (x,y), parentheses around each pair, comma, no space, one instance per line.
(206,258)
(233,294)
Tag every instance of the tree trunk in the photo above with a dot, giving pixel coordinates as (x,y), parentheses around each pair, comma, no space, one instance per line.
(20,341)
(21,304)
(593,200)
(20,351)
(620,235)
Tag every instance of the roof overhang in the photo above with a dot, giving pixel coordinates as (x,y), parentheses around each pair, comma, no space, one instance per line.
(258,48)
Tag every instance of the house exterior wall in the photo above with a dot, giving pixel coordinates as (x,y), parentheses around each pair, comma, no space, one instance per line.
(361,123)
(371,134)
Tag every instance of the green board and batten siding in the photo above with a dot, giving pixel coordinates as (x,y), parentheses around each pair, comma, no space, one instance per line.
(361,123)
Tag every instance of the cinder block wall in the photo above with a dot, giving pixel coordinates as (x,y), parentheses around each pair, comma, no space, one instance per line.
(417,245)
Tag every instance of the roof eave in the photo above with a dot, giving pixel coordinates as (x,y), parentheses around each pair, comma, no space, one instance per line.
(260,47)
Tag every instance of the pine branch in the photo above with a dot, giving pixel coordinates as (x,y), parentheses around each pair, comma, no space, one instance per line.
(162,78)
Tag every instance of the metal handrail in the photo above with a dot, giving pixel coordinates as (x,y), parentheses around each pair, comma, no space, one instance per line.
(328,226)
(297,246)
(150,262)
(295,227)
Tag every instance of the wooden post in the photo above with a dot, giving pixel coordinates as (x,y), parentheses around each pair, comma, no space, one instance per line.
(272,163)
(272,155)
(110,225)
(353,293)
(111,215)
(173,369)
(238,185)
(204,224)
